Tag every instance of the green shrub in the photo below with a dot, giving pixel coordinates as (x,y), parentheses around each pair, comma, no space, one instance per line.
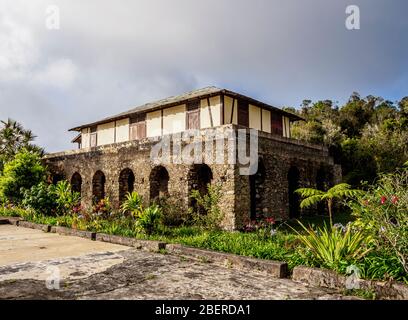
(41,198)
(382,265)
(19,175)
(208,212)
(382,212)
(133,204)
(149,219)
(174,214)
(335,247)
(66,198)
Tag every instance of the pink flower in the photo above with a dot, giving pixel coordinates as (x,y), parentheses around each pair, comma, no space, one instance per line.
(383,199)
(394,199)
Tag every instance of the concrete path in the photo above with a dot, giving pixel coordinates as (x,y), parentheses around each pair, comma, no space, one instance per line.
(31,262)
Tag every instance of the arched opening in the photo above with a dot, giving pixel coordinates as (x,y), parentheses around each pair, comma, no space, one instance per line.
(159,183)
(76,182)
(98,186)
(57,177)
(200,176)
(256,190)
(293,184)
(126,183)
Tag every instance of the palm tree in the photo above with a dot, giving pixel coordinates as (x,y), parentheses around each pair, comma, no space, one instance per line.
(13,137)
(312,196)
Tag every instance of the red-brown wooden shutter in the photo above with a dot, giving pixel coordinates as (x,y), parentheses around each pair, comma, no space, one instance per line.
(276,123)
(243,113)
(193,115)
(137,127)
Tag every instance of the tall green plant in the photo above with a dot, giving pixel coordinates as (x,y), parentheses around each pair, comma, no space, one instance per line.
(313,196)
(133,204)
(208,203)
(334,247)
(66,198)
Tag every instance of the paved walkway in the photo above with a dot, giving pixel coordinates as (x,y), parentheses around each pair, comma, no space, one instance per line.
(30,261)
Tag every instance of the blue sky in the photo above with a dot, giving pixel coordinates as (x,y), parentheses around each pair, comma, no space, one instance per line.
(106,58)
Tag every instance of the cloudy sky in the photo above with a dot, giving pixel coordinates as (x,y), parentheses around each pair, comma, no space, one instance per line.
(108,56)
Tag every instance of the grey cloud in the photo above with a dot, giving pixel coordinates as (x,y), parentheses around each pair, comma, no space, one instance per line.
(130,52)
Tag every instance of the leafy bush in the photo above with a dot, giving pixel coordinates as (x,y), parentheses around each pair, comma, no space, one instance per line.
(67,199)
(132,204)
(173,213)
(382,211)
(103,208)
(149,219)
(209,203)
(335,247)
(19,175)
(382,265)
(41,198)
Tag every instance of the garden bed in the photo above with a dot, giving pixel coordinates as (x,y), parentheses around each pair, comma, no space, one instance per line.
(308,275)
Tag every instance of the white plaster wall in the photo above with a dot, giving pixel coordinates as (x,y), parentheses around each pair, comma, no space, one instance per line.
(153,124)
(254,117)
(266,120)
(215,105)
(174,119)
(228,102)
(122,130)
(85,138)
(105,133)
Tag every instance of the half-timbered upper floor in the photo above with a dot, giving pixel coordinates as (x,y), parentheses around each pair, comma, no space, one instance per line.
(200,109)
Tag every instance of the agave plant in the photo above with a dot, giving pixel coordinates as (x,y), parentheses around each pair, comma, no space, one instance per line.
(313,196)
(330,246)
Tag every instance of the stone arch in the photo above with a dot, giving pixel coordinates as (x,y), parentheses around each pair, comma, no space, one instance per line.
(200,176)
(98,186)
(57,177)
(76,182)
(257,193)
(159,183)
(294,199)
(126,183)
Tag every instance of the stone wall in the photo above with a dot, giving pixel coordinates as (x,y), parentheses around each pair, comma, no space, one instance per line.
(277,154)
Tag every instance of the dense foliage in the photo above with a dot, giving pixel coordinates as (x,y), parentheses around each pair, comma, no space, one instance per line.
(20,174)
(368,136)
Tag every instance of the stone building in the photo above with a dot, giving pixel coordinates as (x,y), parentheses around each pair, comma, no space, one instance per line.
(114,156)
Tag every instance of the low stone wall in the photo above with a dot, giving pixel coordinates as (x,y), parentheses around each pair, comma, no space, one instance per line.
(131,242)
(330,279)
(274,269)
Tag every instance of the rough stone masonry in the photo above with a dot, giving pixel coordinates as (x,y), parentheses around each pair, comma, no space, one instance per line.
(284,165)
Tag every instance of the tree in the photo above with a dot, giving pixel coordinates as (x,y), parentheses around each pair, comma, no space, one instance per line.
(313,196)
(13,138)
(20,174)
